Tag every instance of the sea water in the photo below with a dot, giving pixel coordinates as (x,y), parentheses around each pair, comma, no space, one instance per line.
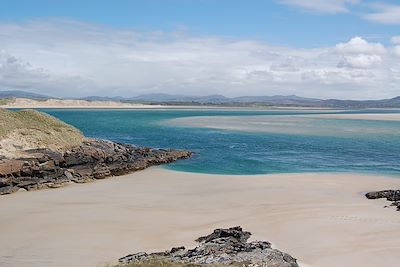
(278,142)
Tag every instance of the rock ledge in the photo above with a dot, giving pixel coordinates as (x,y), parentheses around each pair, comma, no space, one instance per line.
(222,247)
(94,159)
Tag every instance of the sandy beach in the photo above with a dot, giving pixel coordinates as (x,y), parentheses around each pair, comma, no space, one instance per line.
(73,103)
(321,219)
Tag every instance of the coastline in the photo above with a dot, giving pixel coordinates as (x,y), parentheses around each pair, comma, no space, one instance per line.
(25,103)
(322,219)
(149,107)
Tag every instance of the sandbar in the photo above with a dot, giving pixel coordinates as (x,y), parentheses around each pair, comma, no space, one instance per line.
(364,116)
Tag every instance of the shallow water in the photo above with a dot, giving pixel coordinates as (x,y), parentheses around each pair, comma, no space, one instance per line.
(243,142)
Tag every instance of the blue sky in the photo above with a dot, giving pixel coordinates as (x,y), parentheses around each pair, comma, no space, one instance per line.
(320,48)
(272,21)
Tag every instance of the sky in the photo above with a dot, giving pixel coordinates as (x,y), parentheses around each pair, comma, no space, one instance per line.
(346,49)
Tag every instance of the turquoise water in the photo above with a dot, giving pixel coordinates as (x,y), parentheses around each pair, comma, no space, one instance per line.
(369,146)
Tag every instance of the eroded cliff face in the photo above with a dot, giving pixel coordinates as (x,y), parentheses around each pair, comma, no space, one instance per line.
(93,159)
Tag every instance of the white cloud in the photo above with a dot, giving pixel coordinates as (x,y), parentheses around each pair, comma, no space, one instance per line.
(67,58)
(338,77)
(358,53)
(18,74)
(322,6)
(358,45)
(397,50)
(384,13)
(395,40)
(361,61)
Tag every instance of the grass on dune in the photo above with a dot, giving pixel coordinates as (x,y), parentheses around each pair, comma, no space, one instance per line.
(5,101)
(33,127)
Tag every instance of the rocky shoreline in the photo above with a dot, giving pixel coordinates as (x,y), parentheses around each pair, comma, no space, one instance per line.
(390,195)
(222,247)
(92,160)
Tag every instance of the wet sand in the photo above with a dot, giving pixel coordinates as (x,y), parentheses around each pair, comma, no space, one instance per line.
(380,116)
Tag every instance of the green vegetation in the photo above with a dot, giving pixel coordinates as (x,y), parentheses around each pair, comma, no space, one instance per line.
(5,101)
(32,129)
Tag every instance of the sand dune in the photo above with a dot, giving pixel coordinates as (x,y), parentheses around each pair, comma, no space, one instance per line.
(72,103)
(321,219)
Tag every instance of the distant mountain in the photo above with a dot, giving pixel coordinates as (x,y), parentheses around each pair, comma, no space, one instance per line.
(276,100)
(180,98)
(22,94)
(159,98)
(220,99)
(212,99)
(103,98)
(384,103)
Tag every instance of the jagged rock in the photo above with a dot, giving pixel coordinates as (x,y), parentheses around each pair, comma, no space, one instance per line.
(68,174)
(10,167)
(5,181)
(223,246)
(45,152)
(8,189)
(94,159)
(390,195)
(235,232)
(101,171)
(47,166)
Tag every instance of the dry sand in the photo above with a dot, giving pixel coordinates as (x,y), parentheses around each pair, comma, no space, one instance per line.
(321,219)
(70,103)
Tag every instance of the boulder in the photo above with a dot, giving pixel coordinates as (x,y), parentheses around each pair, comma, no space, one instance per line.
(5,181)
(222,247)
(390,195)
(8,189)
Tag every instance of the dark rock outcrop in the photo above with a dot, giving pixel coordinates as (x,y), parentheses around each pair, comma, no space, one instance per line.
(94,159)
(223,246)
(390,195)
